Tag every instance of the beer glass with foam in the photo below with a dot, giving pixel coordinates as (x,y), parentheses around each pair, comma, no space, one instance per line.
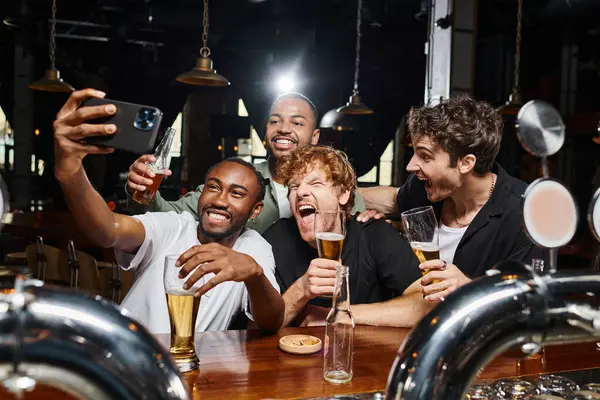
(330,232)
(421,230)
(183,310)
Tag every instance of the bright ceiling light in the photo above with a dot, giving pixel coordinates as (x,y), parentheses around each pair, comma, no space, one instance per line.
(286,83)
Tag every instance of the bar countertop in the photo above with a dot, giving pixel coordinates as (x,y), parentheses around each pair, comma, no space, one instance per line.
(246,365)
(242,364)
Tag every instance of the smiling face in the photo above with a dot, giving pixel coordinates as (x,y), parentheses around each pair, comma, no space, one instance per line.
(291,124)
(228,200)
(432,164)
(310,192)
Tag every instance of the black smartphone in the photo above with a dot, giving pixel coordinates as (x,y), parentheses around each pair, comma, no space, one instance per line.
(137,126)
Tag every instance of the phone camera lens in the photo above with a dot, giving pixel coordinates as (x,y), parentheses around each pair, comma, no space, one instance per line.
(145,119)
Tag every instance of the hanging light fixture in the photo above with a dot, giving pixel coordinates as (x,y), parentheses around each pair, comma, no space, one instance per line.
(515,101)
(52,82)
(203,73)
(337,119)
(354,106)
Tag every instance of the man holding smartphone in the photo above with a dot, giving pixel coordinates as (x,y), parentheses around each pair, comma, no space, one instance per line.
(292,123)
(238,261)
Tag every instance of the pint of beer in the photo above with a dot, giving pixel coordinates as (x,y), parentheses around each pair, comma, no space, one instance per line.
(330,232)
(421,230)
(329,245)
(425,252)
(183,310)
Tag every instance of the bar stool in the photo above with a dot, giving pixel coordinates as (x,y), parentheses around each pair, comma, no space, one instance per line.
(83,269)
(43,261)
(115,282)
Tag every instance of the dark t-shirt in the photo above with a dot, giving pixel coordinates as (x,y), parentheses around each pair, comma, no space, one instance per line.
(381,263)
(496,232)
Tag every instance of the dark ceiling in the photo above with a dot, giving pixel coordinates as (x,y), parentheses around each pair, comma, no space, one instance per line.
(134,49)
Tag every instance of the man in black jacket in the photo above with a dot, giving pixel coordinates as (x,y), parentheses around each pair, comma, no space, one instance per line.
(477,203)
(383,272)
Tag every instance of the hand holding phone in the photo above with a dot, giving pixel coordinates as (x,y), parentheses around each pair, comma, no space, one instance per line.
(136,125)
(70,129)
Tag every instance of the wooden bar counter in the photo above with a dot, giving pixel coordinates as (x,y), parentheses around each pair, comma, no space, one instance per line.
(242,364)
(246,365)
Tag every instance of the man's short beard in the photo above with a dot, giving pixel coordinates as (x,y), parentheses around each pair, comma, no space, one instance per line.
(236,226)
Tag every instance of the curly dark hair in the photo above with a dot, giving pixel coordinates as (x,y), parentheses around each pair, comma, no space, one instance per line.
(334,163)
(461,126)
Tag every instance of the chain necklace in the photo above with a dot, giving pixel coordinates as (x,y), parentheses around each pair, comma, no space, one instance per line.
(460,224)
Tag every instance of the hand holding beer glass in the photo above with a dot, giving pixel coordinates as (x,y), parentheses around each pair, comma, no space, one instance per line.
(183,309)
(421,230)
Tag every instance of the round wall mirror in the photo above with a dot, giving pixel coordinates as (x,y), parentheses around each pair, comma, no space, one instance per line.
(540,128)
(545,225)
(594,214)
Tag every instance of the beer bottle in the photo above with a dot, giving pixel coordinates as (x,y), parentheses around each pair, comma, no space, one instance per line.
(339,332)
(158,166)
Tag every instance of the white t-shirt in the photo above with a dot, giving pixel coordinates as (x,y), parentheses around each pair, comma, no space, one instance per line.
(171,233)
(449,239)
(282,200)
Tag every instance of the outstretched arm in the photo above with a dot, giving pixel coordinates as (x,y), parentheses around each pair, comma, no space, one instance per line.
(91,213)
(379,198)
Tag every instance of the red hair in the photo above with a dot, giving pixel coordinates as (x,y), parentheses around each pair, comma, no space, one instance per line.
(334,163)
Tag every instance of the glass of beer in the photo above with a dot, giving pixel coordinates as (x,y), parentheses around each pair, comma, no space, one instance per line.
(421,230)
(183,310)
(330,232)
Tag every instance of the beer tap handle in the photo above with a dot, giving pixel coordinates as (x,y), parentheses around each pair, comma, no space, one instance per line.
(17,382)
(585,317)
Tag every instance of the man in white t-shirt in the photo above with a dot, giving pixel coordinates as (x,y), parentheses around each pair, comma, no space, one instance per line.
(236,263)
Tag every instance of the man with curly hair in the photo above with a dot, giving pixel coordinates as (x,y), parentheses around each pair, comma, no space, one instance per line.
(383,272)
(478,205)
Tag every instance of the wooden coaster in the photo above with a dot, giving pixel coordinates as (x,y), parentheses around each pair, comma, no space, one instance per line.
(300,344)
